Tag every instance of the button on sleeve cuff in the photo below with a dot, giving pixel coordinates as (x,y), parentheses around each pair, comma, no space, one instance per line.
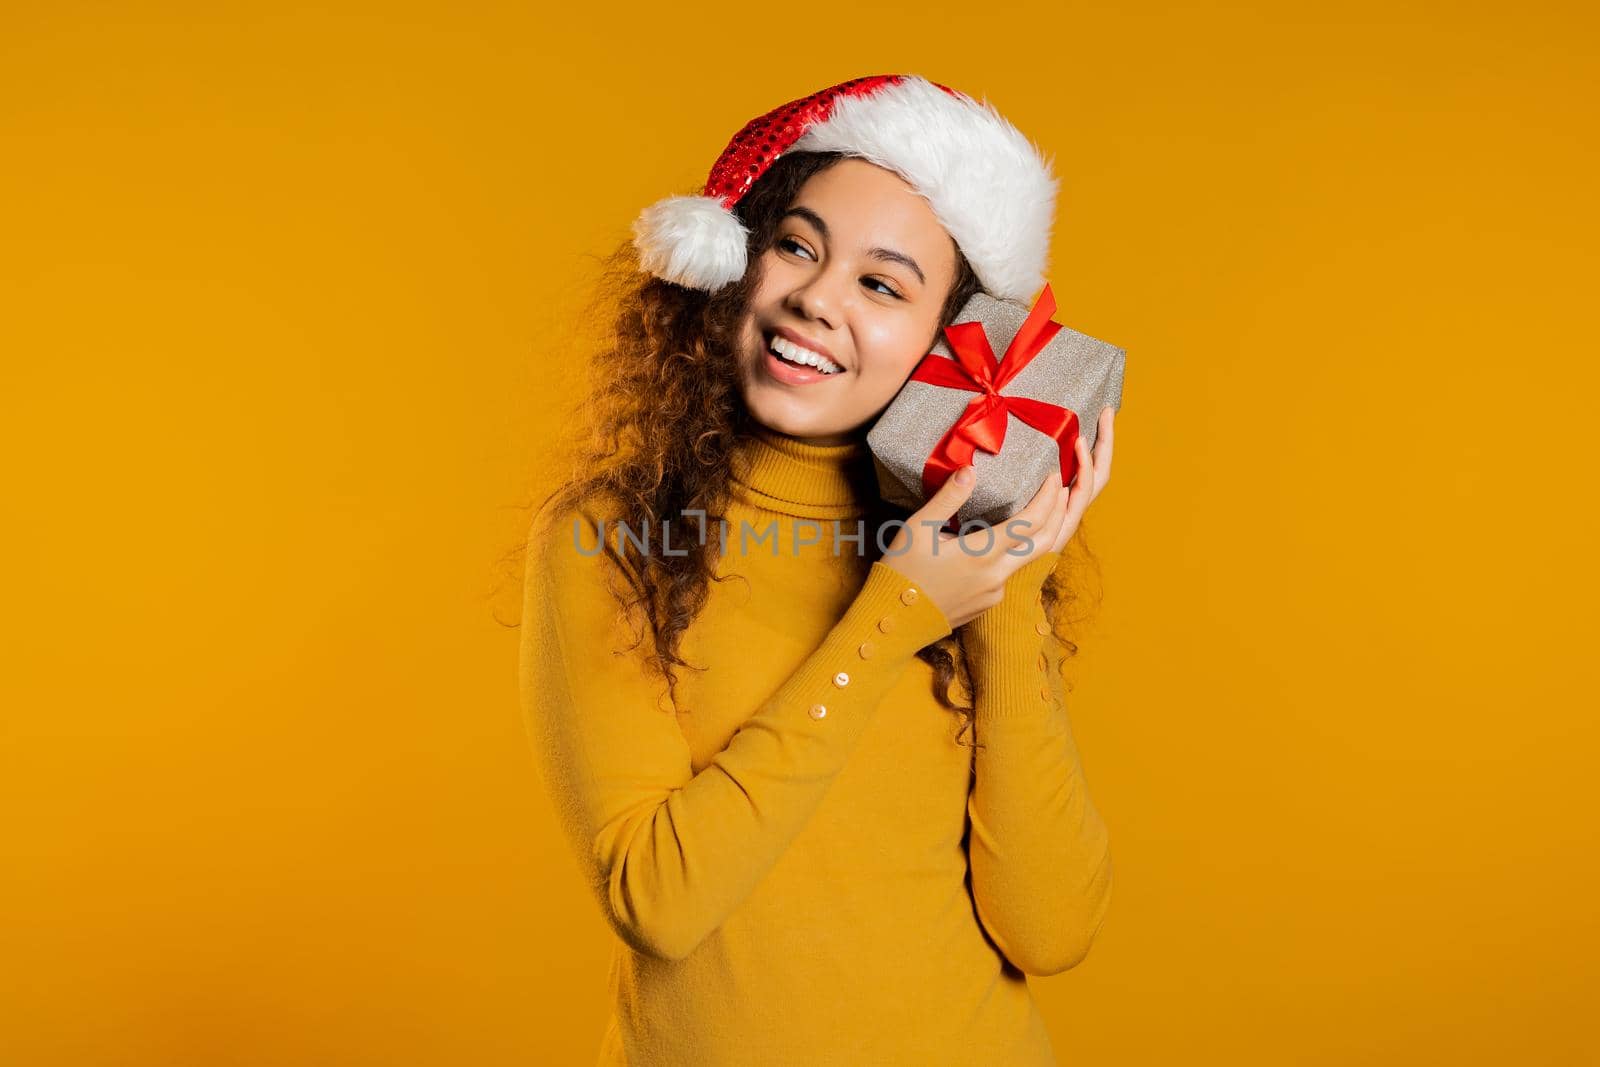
(895,615)
(816,717)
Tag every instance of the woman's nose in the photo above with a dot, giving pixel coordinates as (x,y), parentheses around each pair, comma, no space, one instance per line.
(818,299)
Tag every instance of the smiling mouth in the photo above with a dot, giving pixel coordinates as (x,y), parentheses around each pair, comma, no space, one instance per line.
(787,352)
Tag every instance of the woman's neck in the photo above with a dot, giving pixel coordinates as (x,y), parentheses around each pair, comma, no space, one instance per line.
(830,440)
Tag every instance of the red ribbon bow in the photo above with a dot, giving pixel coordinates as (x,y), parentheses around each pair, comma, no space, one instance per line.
(983,423)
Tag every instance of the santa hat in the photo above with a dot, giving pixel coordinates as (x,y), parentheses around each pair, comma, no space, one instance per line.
(987,183)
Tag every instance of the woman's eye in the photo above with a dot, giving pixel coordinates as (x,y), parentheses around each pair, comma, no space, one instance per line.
(789,244)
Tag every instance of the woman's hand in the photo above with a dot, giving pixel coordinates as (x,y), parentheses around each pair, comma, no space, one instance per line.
(1088,482)
(966,574)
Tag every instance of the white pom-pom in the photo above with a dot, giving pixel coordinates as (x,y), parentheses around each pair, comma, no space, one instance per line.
(691,240)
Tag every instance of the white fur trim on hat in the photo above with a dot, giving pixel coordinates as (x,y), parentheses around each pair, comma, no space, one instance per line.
(986,182)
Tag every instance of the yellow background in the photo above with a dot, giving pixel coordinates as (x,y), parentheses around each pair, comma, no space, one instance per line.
(282,290)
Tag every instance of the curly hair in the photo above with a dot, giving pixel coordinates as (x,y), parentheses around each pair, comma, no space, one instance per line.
(666,413)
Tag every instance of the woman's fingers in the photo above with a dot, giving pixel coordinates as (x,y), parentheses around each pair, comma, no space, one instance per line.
(949,497)
(1102,448)
(1048,521)
(1020,535)
(1060,531)
(1083,487)
(940,508)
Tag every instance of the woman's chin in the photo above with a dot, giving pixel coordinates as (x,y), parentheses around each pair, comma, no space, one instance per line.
(787,414)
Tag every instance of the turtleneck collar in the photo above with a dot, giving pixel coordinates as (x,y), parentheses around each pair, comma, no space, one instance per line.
(792,476)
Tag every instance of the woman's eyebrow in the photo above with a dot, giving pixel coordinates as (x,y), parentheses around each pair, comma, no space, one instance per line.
(888,255)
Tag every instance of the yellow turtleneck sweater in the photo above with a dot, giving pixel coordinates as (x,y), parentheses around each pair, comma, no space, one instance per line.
(801,863)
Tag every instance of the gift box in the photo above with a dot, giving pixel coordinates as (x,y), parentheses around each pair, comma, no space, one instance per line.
(1014,418)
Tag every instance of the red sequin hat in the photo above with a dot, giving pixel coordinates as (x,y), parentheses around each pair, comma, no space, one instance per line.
(988,184)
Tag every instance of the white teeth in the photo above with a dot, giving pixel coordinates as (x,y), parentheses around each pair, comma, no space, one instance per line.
(795,354)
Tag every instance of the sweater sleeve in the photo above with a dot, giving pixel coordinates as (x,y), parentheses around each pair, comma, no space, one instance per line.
(1039,850)
(670,854)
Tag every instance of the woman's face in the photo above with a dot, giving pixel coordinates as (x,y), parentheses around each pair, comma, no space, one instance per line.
(857,273)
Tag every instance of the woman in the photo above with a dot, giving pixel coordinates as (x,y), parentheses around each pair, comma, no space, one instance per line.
(771,789)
